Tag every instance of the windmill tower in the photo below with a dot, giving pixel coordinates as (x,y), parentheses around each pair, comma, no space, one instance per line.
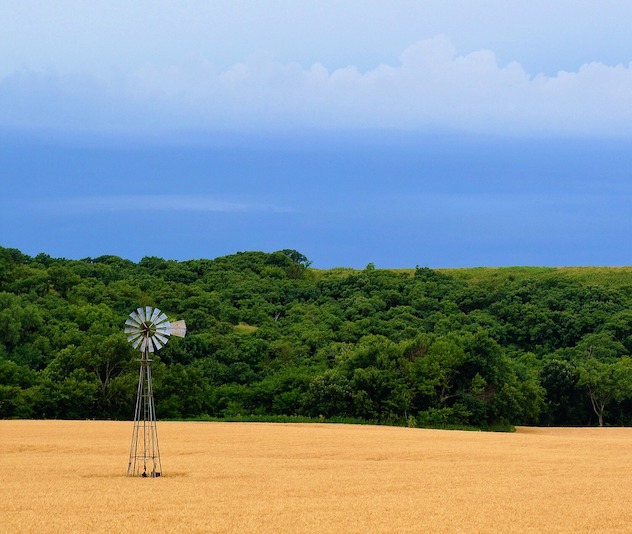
(147,330)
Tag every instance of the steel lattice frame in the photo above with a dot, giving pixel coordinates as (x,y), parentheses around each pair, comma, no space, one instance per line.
(148,330)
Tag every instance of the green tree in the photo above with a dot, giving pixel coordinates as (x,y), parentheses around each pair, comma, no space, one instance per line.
(564,399)
(605,382)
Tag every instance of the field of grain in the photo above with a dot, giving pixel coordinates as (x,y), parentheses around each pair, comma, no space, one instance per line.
(69,476)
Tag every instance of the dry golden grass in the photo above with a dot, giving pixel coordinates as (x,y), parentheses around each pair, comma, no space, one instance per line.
(69,476)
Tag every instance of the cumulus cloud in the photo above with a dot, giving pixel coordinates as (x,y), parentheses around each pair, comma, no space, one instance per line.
(432,87)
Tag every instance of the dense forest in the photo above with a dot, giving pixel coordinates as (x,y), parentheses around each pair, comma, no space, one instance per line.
(271,337)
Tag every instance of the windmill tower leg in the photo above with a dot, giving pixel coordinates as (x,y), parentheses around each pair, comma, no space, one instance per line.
(144,455)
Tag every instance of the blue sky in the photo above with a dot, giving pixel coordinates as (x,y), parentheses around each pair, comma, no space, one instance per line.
(438,133)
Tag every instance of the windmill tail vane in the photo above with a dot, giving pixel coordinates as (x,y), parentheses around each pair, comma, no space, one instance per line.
(148,330)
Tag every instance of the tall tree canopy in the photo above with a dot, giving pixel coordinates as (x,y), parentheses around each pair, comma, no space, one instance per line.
(270,336)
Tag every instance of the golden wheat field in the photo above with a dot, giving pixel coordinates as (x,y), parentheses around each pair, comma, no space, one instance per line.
(69,476)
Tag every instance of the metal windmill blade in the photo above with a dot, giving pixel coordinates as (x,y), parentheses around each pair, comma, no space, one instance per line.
(148,329)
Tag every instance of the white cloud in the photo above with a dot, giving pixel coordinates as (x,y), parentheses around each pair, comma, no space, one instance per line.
(432,87)
(141,203)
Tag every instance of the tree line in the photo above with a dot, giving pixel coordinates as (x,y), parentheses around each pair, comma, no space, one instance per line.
(269,336)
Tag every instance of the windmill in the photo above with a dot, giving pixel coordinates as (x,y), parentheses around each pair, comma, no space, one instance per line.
(147,330)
